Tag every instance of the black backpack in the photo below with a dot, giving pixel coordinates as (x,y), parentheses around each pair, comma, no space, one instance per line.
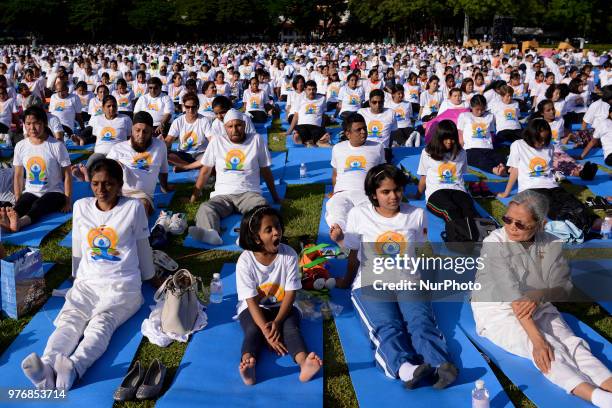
(464,233)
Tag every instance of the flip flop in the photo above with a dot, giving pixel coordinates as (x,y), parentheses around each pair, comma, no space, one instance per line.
(161,259)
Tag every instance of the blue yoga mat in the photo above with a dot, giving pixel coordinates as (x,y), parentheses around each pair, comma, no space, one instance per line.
(594,278)
(182,177)
(524,374)
(595,156)
(208,375)
(600,185)
(74,156)
(334,133)
(318,166)
(370,382)
(410,160)
(96,387)
(229,226)
(70,145)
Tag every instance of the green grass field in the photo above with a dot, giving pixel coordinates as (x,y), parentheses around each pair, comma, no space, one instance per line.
(301,211)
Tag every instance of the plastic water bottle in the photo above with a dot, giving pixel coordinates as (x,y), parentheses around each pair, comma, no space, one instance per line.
(606,228)
(216,289)
(480,395)
(303,170)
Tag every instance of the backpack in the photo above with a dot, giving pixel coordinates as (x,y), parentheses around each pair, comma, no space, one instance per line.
(464,233)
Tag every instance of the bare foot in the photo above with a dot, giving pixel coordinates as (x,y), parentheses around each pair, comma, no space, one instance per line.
(247,370)
(84,172)
(296,137)
(13,219)
(310,367)
(4,220)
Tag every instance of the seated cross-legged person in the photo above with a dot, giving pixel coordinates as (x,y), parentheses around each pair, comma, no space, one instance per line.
(158,105)
(240,160)
(351,160)
(46,186)
(144,160)
(307,120)
(380,120)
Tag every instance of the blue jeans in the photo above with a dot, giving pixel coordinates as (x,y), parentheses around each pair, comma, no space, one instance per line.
(400,330)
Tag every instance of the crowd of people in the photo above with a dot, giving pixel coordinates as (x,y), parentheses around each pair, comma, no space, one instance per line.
(150,110)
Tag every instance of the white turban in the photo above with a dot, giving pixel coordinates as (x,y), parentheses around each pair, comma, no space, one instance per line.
(233,114)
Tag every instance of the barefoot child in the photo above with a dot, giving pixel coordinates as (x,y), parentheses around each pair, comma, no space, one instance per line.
(267,279)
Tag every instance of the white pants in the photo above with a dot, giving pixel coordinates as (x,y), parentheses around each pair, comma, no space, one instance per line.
(574,363)
(339,205)
(91,312)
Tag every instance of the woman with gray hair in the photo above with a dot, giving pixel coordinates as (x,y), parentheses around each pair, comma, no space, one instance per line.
(524,271)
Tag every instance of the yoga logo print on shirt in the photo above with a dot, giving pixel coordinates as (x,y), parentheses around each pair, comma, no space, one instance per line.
(142,161)
(254,102)
(538,167)
(123,102)
(234,160)
(355,163)
(98,110)
(108,134)
(190,139)
(390,243)
(153,106)
(207,107)
(555,136)
(333,91)
(36,169)
(479,130)
(375,128)
(311,109)
(400,114)
(447,173)
(510,114)
(354,100)
(433,105)
(270,294)
(60,106)
(102,243)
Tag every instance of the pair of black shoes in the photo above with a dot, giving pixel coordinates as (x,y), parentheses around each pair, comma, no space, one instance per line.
(588,171)
(142,385)
(442,377)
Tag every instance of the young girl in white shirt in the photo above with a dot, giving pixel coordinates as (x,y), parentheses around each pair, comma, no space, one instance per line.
(267,278)
(576,102)
(454,101)
(506,117)
(403,135)
(430,100)
(408,345)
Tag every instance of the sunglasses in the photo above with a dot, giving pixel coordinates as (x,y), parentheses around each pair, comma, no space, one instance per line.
(518,224)
(189,107)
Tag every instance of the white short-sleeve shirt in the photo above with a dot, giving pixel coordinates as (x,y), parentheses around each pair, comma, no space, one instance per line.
(443,174)
(534,165)
(353,163)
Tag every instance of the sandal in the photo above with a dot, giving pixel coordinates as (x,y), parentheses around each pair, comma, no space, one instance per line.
(162,260)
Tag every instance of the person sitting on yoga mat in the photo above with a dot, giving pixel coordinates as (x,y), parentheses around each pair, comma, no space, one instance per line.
(475,136)
(442,165)
(257,102)
(531,163)
(294,98)
(514,310)
(110,258)
(47,178)
(351,160)
(603,135)
(144,161)
(351,96)
(240,160)
(267,278)
(380,120)
(506,117)
(408,344)
(308,120)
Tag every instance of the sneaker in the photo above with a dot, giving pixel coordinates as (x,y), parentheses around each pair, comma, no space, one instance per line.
(164,219)
(178,224)
(159,237)
(558,176)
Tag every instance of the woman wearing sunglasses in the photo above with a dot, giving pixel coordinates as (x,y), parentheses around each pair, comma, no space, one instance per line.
(524,271)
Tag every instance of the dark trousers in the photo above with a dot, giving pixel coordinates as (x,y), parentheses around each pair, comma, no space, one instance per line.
(36,207)
(451,205)
(401,135)
(254,338)
(572,118)
(259,116)
(609,160)
(310,133)
(562,206)
(508,135)
(4,128)
(484,159)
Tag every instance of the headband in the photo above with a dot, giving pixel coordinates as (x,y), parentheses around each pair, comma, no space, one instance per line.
(255,213)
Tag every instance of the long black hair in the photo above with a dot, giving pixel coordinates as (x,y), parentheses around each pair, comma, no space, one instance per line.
(446,129)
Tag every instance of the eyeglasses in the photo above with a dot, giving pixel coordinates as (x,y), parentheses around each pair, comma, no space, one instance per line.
(153,87)
(518,224)
(189,107)
(376,102)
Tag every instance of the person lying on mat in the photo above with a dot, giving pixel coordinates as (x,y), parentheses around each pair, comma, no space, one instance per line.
(531,163)
(110,258)
(46,186)
(307,123)
(442,166)
(386,227)
(144,162)
(380,120)
(514,309)
(267,278)
(240,160)
(351,160)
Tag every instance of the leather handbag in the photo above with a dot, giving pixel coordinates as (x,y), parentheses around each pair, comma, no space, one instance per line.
(181,303)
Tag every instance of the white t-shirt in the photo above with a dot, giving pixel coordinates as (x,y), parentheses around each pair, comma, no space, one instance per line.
(403,113)
(42,165)
(237,165)
(157,107)
(218,128)
(430,102)
(65,109)
(506,116)
(109,132)
(556,130)
(124,101)
(138,88)
(310,111)
(411,93)
(271,281)
(254,101)
(95,107)
(576,102)
(353,163)
(192,136)
(351,98)
(7,108)
(108,241)
(375,236)
(206,108)
(443,175)
(85,100)
(293,101)
(598,110)
(476,130)
(380,125)
(447,104)
(333,90)
(141,170)
(534,165)
(603,132)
